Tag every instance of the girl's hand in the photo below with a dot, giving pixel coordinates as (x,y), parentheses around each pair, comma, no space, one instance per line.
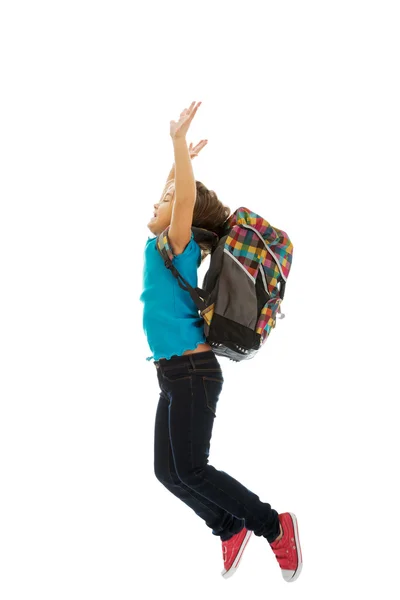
(179,129)
(195,151)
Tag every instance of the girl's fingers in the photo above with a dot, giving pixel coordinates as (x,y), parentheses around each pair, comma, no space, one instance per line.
(192,111)
(195,108)
(199,146)
(185,119)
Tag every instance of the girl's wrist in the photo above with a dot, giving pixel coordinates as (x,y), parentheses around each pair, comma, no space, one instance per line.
(179,138)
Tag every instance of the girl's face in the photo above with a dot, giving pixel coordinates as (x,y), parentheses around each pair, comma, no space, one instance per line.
(163,212)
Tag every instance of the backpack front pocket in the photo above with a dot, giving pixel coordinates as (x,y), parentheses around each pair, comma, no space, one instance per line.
(267,318)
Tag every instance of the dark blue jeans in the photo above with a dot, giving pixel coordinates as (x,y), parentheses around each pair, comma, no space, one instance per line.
(190,388)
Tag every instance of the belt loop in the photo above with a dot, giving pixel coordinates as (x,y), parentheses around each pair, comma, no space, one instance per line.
(192,361)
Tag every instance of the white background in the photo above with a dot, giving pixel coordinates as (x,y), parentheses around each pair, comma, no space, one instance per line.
(301,110)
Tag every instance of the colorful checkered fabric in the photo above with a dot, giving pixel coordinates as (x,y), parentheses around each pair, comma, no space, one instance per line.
(257,245)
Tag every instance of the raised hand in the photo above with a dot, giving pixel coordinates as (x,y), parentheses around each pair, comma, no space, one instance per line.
(196,149)
(178,129)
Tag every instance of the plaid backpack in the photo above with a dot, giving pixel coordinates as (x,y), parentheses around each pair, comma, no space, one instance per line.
(240,299)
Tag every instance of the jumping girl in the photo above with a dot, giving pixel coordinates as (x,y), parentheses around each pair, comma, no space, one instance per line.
(190,376)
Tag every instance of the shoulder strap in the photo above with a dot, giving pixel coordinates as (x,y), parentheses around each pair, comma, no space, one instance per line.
(199,296)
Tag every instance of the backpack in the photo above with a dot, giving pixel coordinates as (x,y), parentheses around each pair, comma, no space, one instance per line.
(239,300)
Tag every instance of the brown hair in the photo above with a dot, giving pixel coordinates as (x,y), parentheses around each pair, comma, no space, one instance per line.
(209,213)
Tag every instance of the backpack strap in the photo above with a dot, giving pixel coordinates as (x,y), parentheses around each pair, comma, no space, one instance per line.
(199,296)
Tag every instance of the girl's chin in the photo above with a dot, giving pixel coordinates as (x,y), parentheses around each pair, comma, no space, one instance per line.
(153,227)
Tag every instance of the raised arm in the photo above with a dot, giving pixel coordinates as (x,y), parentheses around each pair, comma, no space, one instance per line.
(185,184)
(193,151)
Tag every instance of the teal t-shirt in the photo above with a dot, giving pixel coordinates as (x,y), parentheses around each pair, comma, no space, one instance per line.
(171,320)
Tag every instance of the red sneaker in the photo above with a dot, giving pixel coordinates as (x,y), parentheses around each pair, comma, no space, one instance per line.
(232,551)
(287,550)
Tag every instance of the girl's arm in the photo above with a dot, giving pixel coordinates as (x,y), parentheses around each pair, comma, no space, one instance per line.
(185,197)
(185,185)
(193,151)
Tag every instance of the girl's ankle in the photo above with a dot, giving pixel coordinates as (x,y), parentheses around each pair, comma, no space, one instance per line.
(280,536)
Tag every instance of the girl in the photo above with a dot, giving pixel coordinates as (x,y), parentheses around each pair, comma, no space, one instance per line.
(190,376)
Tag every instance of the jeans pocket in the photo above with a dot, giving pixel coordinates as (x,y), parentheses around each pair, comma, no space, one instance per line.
(175,376)
(212,390)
